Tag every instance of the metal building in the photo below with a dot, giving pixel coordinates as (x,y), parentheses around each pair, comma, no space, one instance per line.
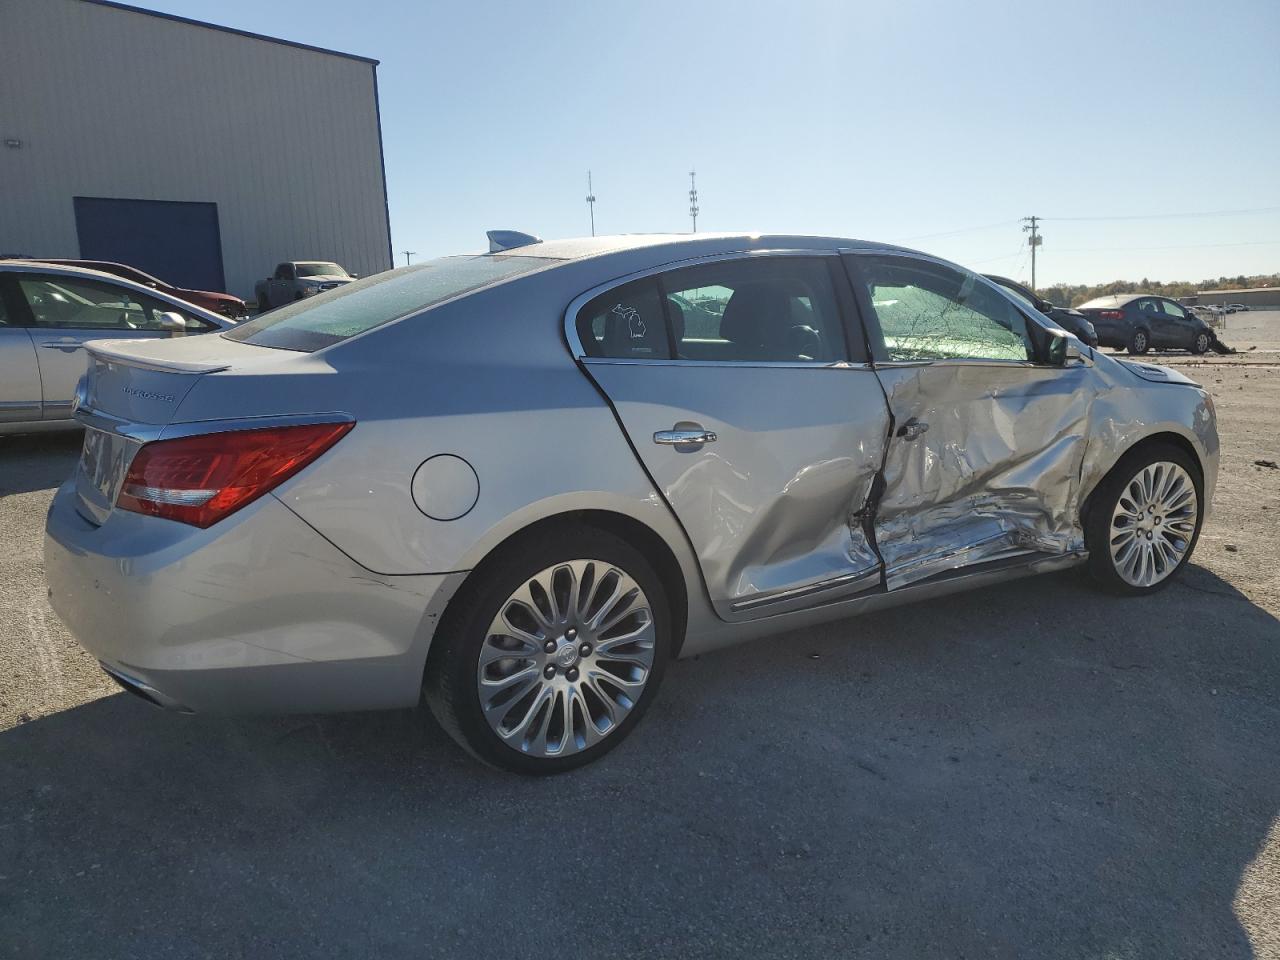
(201,154)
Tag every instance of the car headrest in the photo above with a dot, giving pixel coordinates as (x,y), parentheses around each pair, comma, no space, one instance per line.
(757,313)
(676,313)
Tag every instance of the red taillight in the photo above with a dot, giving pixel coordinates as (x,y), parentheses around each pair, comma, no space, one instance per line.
(199,480)
(1112,314)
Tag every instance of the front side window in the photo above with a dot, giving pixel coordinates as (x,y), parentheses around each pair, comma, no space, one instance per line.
(1172,310)
(69,303)
(930,311)
(356,307)
(781,310)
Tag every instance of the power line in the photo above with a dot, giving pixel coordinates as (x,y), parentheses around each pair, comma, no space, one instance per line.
(954,233)
(1176,216)
(1175,246)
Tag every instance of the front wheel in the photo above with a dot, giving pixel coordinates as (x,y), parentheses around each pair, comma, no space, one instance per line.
(1139,343)
(1144,519)
(549,659)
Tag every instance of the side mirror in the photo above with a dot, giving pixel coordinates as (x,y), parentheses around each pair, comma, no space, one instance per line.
(173,322)
(1064,351)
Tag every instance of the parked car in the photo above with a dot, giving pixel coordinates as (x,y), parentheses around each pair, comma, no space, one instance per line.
(523,482)
(1072,321)
(231,307)
(1140,322)
(298,279)
(49,312)
(1236,307)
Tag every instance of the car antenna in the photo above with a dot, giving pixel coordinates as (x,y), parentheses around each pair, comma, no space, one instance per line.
(509,239)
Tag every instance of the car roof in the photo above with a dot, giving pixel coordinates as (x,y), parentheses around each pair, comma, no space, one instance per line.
(57,269)
(691,244)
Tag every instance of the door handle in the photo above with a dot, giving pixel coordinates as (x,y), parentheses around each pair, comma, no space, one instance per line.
(59,345)
(912,429)
(679,437)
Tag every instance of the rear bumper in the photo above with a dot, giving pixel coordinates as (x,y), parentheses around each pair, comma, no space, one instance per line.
(258,613)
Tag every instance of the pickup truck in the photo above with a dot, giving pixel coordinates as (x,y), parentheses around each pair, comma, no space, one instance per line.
(297,280)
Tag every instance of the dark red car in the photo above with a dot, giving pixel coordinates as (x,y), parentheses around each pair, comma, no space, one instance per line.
(224,303)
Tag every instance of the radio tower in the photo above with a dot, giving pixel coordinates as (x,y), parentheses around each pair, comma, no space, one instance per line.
(591,203)
(693,198)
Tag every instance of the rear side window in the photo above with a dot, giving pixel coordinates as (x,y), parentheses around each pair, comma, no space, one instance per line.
(781,310)
(354,308)
(626,323)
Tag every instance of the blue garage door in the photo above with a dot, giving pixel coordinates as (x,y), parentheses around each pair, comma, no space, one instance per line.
(177,242)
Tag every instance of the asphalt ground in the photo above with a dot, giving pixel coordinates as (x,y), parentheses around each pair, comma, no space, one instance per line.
(1031,770)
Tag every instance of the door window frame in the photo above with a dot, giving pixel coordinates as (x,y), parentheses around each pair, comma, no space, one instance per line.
(853,259)
(853,344)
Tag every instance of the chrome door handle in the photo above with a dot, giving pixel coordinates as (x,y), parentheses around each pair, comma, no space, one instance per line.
(912,429)
(677,437)
(58,345)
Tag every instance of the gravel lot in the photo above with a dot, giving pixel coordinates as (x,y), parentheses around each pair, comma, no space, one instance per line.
(1034,770)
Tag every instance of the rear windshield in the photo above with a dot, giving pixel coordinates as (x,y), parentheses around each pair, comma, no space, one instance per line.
(335,315)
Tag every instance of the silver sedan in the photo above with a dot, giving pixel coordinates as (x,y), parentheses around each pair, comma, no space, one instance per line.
(49,312)
(521,482)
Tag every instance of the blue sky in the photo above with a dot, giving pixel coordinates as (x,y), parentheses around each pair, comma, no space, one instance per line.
(897,120)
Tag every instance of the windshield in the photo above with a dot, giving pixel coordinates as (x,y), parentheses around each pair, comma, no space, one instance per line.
(320,270)
(353,308)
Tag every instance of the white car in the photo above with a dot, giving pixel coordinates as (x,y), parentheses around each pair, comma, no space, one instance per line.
(48,313)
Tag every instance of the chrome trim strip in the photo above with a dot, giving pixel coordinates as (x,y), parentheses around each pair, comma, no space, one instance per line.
(796,593)
(194,428)
(580,301)
(801,364)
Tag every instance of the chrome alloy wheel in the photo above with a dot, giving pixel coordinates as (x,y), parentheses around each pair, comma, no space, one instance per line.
(1153,524)
(566,658)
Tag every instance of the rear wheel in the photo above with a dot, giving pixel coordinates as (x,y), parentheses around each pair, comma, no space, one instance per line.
(1140,342)
(1200,344)
(1144,519)
(549,659)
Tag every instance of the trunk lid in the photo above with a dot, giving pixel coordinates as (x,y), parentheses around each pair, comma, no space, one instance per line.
(130,393)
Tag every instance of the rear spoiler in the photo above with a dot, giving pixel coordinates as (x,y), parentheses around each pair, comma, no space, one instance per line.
(128,352)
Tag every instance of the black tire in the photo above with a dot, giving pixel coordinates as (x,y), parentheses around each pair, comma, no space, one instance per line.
(263,305)
(450,681)
(1102,504)
(1201,342)
(1140,342)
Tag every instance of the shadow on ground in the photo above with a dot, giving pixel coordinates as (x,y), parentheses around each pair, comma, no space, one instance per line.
(1030,770)
(38,461)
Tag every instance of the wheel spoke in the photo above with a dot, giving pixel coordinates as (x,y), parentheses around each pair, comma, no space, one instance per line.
(546,673)
(1152,524)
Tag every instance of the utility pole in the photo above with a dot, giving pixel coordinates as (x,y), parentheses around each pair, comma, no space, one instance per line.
(1032,227)
(693,198)
(408,254)
(591,203)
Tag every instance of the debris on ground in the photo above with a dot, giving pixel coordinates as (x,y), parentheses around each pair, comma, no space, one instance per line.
(1269,464)
(1231,548)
